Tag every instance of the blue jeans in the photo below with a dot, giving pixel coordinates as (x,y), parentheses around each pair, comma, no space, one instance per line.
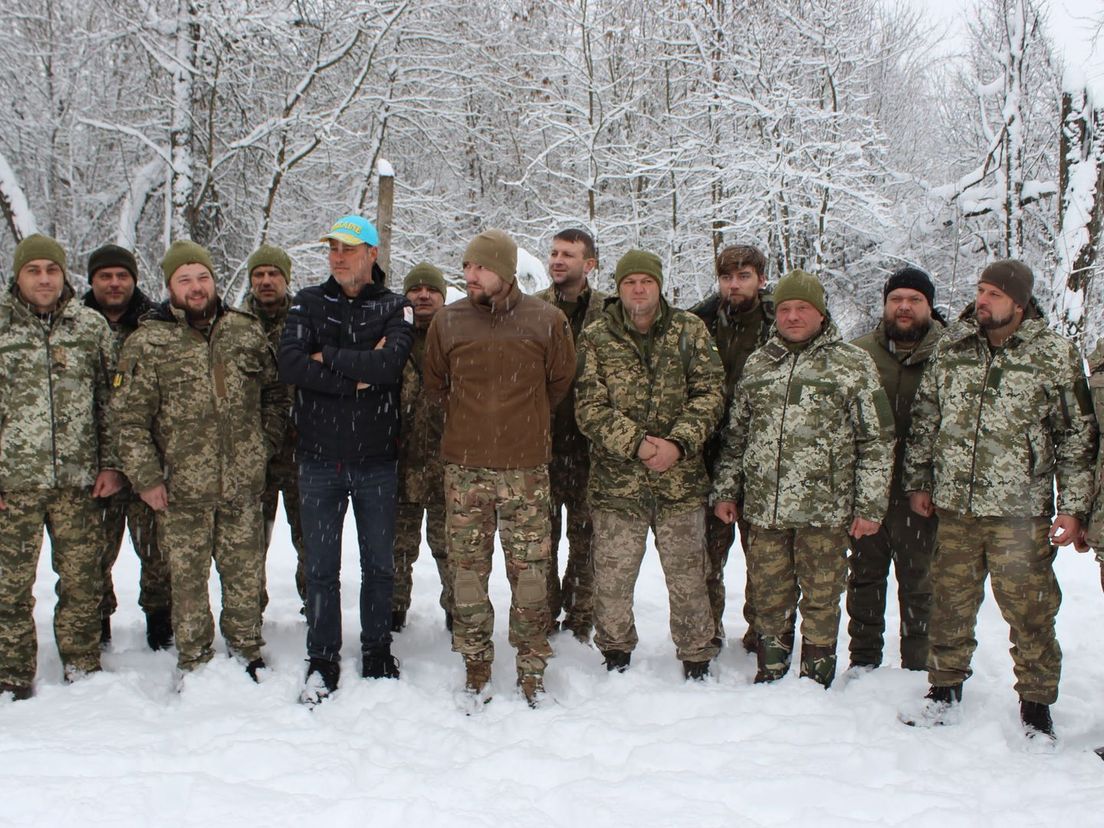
(325,489)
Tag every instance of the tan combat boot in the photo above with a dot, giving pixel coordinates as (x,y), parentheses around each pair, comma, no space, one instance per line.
(532,687)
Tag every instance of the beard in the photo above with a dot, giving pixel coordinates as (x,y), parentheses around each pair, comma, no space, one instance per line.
(204,314)
(899,333)
(994,322)
(740,304)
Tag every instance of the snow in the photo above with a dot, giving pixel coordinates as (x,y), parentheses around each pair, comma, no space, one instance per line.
(10,190)
(384,168)
(531,275)
(643,749)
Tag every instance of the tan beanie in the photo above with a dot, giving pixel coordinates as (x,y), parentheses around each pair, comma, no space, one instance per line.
(494,250)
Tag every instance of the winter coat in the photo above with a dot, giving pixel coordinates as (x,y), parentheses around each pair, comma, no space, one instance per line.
(53,397)
(993,427)
(138,306)
(809,440)
(1094,532)
(282,466)
(900,372)
(335,420)
(500,370)
(567,440)
(666,384)
(421,472)
(201,414)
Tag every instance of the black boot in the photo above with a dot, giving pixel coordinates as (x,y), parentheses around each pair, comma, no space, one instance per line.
(159,632)
(617,660)
(321,681)
(940,706)
(448,621)
(105,630)
(1036,719)
(696,670)
(398,620)
(255,665)
(379,663)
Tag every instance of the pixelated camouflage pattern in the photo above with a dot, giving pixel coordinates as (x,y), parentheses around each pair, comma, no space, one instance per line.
(53,429)
(993,428)
(231,533)
(154,585)
(622,395)
(1094,531)
(619,545)
(736,334)
(798,571)
(516,502)
(203,416)
(72,522)
(1019,560)
(809,440)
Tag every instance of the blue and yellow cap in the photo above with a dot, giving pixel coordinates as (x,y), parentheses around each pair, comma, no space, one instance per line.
(353,229)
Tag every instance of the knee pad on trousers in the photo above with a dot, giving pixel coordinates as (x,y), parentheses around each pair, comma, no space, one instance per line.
(467,588)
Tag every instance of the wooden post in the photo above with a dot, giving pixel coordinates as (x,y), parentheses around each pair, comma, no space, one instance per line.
(384,213)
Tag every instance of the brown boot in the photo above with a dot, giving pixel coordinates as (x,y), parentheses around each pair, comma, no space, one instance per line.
(532,687)
(479,675)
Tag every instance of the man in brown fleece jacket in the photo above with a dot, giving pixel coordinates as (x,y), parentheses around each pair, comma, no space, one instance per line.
(500,362)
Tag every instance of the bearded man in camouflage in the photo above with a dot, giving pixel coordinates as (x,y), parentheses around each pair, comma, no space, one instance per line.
(809,446)
(199,411)
(1002,414)
(650,392)
(55,457)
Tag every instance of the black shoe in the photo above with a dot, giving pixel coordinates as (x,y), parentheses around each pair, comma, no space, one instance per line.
(322,678)
(696,670)
(159,632)
(718,642)
(20,692)
(617,660)
(448,621)
(1036,719)
(105,630)
(398,620)
(380,664)
(940,706)
(255,665)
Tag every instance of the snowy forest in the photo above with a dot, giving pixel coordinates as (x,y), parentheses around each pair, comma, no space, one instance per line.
(829,132)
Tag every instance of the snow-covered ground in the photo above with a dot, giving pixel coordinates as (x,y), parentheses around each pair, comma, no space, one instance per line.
(641,749)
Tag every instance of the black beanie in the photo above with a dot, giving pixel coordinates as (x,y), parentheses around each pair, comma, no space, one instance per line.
(912,278)
(111,255)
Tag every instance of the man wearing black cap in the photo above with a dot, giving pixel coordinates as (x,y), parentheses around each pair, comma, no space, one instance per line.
(113,276)
(900,346)
(1002,420)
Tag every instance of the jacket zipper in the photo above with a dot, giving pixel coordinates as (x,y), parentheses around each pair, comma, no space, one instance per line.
(990,359)
(781,433)
(50,387)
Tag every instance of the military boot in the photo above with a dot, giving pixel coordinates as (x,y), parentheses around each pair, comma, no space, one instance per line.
(532,688)
(1036,720)
(750,641)
(940,706)
(105,630)
(321,681)
(159,631)
(478,675)
(617,660)
(818,662)
(773,653)
(398,620)
(19,692)
(379,663)
(695,670)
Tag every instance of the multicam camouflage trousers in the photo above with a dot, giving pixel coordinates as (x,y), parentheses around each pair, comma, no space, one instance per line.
(798,570)
(119,512)
(1017,556)
(568,478)
(516,502)
(408,543)
(286,483)
(72,521)
(230,532)
(719,537)
(906,540)
(619,545)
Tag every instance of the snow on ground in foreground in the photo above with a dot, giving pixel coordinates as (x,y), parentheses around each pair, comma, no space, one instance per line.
(640,749)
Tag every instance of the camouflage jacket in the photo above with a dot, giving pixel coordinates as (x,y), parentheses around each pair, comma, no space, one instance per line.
(900,372)
(282,466)
(1094,533)
(421,470)
(53,397)
(203,415)
(567,440)
(809,440)
(669,386)
(993,428)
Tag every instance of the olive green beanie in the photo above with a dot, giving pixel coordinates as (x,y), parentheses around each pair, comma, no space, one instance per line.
(183,252)
(272,256)
(799,284)
(426,274)
(1011,276)
(639,261)
(37,246)
(494,250)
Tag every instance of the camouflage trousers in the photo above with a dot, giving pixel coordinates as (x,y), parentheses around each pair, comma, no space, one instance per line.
(516,502)
(619,545)
(719,537)
(798,571)
(906,540)
(408,543)
(232,534)
(120,512)
(568,478)
(1019,559)
(72,521)
(287,484)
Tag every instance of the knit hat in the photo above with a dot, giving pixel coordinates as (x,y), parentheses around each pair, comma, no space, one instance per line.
(912,278)
(426,274)
(639,261)
(183,252)
(37,246)
(799,284)
(494,250)
(1013,277)
(272,256)
(111,255)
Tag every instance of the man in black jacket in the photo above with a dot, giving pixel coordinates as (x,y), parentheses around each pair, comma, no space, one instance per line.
(344,346)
